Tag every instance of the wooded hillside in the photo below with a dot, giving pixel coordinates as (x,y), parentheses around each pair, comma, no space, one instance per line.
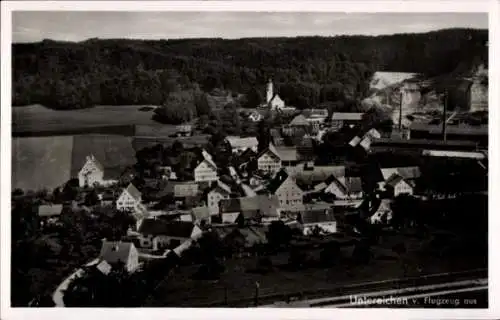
(306,70)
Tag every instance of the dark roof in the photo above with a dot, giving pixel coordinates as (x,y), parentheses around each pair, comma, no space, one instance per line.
(316,216)
(113,252)
(178,229)
(277,181)
(394,180)
(132,190)
(50,210)
(251,207)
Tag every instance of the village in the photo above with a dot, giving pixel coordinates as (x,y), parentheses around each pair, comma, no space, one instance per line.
(275,190)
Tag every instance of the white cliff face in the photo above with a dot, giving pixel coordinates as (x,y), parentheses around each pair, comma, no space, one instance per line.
(479,90)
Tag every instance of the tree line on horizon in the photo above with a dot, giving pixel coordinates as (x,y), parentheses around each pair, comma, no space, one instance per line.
(307,71)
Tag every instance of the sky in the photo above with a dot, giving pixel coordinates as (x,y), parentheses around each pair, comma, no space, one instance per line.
(30,26)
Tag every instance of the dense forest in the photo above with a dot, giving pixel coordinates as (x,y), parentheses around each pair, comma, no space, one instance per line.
(306,70)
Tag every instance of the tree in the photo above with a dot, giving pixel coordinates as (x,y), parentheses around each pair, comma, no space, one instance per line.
(362,253)
(70,190)
(330,254)
(278,234)
(91,198)
(253,98)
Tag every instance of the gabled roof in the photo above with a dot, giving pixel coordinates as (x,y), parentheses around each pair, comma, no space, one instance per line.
(186,189)
(299,120)
(238,142)
(251,207)
(271,149)
(405,172)
(222,186)
(208,158)
(346,184)
(201,213)
(177,229)
(132,190)
(353,116)
(104,267)
(277,181)
(97,163)
(116,251)
(394,180)
(287,153)
(50,210)
(315,113)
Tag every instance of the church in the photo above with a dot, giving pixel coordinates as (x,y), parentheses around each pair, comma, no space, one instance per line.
(273,100)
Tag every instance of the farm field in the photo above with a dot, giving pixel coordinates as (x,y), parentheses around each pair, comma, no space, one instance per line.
(37,118)
(49,162)
(181,290)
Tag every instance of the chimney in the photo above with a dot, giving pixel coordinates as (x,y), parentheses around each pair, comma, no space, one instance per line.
(269,92)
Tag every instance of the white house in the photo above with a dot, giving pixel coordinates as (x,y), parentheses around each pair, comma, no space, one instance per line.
(344,187)
(120,252)
(92,172)
(269,160)
(273,100)
(219,191)
(289,194)
(239,144)
(398,185)
(130,199)
(158,234)
(206,170)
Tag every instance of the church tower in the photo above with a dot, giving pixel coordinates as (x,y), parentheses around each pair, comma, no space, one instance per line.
(269,91)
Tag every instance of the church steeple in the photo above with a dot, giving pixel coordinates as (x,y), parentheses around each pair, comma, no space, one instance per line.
(269,91)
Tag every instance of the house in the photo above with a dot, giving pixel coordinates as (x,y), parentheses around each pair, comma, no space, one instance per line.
(129,199)
(322,220)
(239,144)
(49,213)
(341,119)
(299,121)
(316,116)
(255,116)
(269,160)
(114,252)
(92,173)
(206,170)
(201,215)
(185,189)
(104,267)
(159,234)
(397,185)
(288,156)
(310,174)
(184,130)
(273,100)
(218,192)
(260,208)
(289,194)
(381,213)
(366,140)
(342,187)
(409,173)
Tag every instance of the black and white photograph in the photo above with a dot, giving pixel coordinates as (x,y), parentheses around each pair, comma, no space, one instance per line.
(261,158)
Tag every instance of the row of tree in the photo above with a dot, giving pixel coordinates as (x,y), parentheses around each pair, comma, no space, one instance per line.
(307,70)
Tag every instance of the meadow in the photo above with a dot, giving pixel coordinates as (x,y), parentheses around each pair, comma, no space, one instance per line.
(39,120)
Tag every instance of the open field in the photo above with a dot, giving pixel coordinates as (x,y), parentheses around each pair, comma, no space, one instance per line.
(181,290)
(49,162)
(41,162)
(37,118)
